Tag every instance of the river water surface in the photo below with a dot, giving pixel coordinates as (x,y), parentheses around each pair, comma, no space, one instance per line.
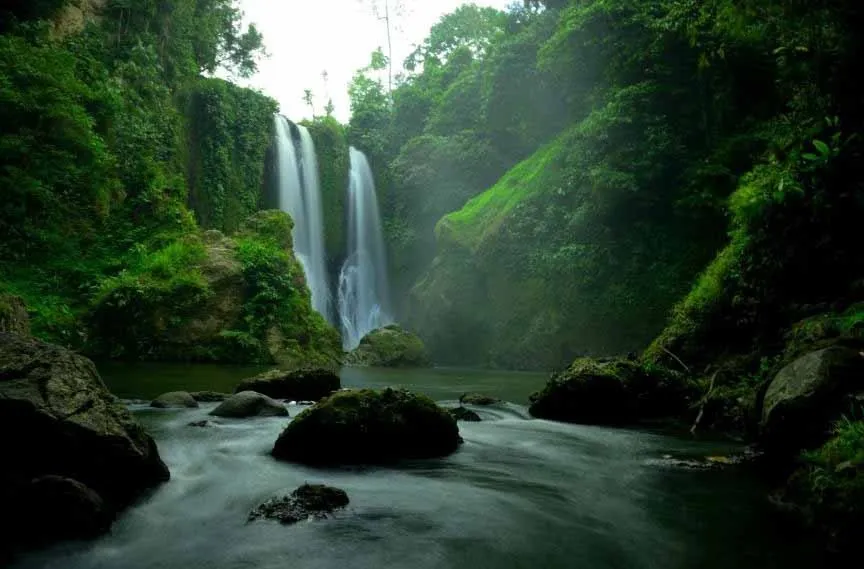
(520,493)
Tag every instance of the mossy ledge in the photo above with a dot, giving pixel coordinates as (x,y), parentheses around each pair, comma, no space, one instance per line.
(207,297)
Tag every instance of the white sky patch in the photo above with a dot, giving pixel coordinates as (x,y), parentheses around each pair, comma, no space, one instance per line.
(305,38)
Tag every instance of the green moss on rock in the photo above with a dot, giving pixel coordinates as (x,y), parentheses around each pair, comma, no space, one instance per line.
(368,427)
(391,346)
(610,392)
(208,297)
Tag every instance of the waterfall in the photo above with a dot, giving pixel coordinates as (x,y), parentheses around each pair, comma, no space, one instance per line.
(363,288)
(300,197)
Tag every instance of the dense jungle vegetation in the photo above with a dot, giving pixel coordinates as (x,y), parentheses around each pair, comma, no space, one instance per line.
(116,148)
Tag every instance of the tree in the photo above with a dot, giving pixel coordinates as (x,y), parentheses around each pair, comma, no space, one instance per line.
(469,27)
(309,99)
(220,40)
(386,11)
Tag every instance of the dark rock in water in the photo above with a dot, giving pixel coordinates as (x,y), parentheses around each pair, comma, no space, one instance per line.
(611,391)
(478,399)
(57,418)
(249,404)
(391,346)
(175,400)
(200,424)
(295,385)
(368,427)
(463,414)
(807,396)
(309,501)
(13,316)
(56,508)
(209,396)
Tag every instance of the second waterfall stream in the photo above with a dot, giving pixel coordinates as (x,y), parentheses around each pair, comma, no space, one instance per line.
(364,291)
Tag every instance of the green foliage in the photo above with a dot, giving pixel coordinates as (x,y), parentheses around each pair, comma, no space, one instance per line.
(468,27)
(277,299)
(229,132)
(138,310)
(830,487)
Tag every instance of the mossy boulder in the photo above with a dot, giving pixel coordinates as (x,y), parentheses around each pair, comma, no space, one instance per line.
(808,396)
(296,385)
(368,427)
(249,404)
(208,297)
(175,400)
(611,392)
(58,419)
(13,315)
(391,346)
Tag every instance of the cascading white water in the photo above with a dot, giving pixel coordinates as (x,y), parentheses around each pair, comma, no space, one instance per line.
(300,197)
(363,288)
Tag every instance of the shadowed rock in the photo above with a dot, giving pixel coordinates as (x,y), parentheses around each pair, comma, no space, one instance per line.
(61,427)
(174,400)
(310,501)
(295,385)
(367,427)
(249,404)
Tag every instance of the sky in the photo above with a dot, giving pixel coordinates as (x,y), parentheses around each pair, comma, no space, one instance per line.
(307,37)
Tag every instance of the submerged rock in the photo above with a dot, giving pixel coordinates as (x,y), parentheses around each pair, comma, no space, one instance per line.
(209,396)
(478,399)
(807,396)
(57,419)
(309,501)
(200,424)
(174,400)
(367,427)
(609,392)
(296,385)
(249,404)
(463,414)
(391,346)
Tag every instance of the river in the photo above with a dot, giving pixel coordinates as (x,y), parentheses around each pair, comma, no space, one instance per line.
(520,493)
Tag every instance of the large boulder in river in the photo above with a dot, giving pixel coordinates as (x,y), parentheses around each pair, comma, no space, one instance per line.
(57,419)
(297,385)
(391,346)
(249,404)
(609,392)
(368,427)
(807,396)
(175,400)
(13,315)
